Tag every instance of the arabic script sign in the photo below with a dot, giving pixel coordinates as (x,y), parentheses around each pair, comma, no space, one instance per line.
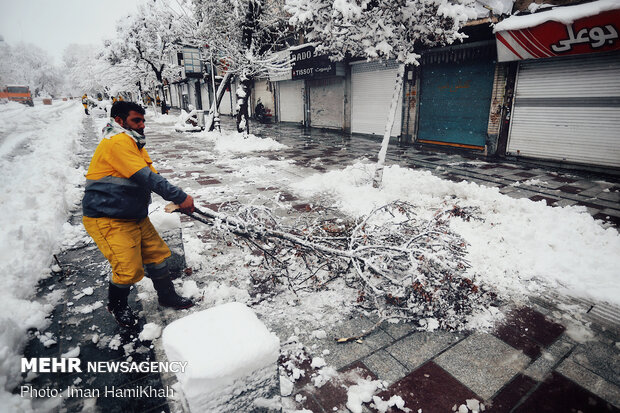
(588,35)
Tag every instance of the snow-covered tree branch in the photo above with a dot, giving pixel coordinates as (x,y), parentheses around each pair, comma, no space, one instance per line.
(403,266)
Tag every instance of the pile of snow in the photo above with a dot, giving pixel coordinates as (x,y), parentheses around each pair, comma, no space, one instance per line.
(157,118)
(517,243)
(38,158)
(565,15)
(190,122)
(235,142)
(231,357)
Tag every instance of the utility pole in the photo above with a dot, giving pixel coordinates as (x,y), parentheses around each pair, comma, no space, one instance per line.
(216,115)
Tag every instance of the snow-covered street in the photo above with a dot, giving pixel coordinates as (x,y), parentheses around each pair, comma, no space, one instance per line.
(525,251)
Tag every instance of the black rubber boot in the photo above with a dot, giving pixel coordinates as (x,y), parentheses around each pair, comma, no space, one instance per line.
(167,296)
(118,307)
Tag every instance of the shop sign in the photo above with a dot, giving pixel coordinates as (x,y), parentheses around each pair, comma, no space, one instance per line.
(308,64)
(592,34)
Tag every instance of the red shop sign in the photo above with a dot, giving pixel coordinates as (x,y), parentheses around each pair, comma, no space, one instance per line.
(587,35)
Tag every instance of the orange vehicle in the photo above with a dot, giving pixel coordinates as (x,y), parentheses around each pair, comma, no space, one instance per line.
(17,93)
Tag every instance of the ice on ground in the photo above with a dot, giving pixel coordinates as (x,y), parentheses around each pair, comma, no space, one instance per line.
(318,362)
(286,386)
(228,350)
(74,352)
(190,289)
(150,332)
(383,406)
(320,334)
(362,392)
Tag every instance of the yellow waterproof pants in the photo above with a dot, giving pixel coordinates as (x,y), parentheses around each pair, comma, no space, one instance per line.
(128,245)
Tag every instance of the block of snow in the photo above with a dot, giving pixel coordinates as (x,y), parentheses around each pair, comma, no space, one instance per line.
(231,358)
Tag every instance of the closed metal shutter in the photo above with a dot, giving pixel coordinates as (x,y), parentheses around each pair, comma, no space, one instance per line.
(372,85)
(291,101)
(327,103)
(455,101)
(568,109)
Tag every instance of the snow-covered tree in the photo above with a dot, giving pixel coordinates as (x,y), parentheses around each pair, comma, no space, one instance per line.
(243,35)
(145,40)
(27,64)
(380,29)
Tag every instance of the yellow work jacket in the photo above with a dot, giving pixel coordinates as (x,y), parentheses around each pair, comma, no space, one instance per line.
(120,179)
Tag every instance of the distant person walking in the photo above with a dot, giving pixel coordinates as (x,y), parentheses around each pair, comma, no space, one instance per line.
(85,103)
(119,183)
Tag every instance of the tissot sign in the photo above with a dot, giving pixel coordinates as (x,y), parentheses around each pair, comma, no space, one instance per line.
(598,33)
(306,63)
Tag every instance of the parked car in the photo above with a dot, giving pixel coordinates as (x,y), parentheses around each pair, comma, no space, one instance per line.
(17,93)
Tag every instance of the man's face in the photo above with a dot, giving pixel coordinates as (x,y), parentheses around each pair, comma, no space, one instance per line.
(134,121)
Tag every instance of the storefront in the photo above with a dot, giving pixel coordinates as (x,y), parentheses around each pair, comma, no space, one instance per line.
(263,91)
(314,93)
(566,103)
(455,93)
(372,87)
(291,96)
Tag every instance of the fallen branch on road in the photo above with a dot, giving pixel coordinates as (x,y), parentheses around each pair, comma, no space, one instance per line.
(403,266)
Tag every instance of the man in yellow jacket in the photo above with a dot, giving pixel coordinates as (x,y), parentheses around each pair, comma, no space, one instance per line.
(85,103)
(119,183)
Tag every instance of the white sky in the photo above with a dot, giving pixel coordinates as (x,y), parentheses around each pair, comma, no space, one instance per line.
(54,24)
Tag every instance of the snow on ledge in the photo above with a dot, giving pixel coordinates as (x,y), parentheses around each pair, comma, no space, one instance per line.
(566,15)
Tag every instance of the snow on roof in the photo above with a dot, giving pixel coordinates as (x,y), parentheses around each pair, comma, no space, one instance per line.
(565,15)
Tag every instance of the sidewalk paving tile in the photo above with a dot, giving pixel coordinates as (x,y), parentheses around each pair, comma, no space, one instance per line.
(430,389)
(590,381)
(385,366)
(570,189)
(549,201)
(510,395)
(398,330)
(528,330)
(483,363)
(599,358)
(417,348)
(549,359)
(342,355)
(559,394)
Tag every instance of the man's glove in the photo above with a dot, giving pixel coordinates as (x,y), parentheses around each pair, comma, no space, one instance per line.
(187,206)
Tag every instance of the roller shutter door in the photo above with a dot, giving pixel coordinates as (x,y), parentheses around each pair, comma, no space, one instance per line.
(326,103)
(455,99)
(372,85)
(291,101)
(568,109)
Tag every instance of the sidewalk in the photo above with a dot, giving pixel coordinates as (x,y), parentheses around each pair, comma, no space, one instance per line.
(530,363)
(600,194)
